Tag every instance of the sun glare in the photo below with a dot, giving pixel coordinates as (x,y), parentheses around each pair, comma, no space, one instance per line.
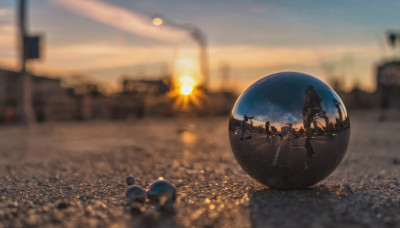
(186,84)
(186,94)
(186,89)
(186,80)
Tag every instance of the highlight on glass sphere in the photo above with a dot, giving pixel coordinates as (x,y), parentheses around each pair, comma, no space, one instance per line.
(289,130)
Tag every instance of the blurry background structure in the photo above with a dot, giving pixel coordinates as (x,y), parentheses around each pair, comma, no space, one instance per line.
(116,60)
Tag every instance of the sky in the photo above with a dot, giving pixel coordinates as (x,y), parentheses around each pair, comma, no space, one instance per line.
(107,40)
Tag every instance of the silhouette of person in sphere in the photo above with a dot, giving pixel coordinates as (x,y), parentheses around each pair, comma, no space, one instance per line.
(337,105)
(311,109)
(244,121)
(267,132)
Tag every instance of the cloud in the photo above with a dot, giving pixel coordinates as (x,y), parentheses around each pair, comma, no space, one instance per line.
(105,55)
(89,56)
(245,56)
(8,47)
(123,19)
(8,35)
(5,11)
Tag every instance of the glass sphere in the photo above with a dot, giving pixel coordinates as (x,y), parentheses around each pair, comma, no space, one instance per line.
(289,130)
(161,193)
(130,180)
(136,193)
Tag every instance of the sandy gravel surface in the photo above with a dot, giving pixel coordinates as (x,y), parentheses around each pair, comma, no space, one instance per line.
(73,175)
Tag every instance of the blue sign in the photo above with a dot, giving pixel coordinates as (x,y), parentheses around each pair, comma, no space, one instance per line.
(32,47)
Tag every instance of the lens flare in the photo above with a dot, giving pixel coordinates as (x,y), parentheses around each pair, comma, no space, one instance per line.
(186,89)
(186,94)
(187,80)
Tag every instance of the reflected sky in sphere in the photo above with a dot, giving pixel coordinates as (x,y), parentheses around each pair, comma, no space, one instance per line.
(279,98)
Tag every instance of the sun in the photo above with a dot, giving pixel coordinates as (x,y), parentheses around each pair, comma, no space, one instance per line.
(186,85)
(186,94)
(186,89)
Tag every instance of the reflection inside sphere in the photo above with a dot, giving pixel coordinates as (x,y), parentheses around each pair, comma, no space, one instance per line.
(289,130)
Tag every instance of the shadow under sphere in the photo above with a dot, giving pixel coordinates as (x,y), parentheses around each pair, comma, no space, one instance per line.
(289,130)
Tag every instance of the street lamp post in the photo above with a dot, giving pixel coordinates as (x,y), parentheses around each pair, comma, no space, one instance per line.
(393,37)
(24,107)
(199,36)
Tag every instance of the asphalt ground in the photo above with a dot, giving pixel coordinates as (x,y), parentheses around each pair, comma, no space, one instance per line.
(72,174)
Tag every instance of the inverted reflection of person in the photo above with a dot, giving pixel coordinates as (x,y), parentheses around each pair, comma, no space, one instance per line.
(311,109)
(267,132)
(337,105)
(244,121)
(273,131)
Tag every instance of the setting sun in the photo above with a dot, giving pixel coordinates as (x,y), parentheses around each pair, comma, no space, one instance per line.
(187,92)
(186,84)
(186,89)
(186,95)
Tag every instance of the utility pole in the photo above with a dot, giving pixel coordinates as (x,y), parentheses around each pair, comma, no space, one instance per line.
(25,107)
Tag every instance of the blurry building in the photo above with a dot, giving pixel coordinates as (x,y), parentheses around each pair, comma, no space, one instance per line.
(91,103)
(218,103)
(144,98)
(359,99)
(50,100)
(388,85)
(284,130)
(146,87)
(387,94)
(85,101)
(8,95)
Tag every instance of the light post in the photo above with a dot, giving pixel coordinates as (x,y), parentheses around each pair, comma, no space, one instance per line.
(393,37)
(25,111)
(199,36)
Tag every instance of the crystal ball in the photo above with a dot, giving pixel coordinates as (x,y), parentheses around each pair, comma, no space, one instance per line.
(289,130)
(136,193)
(130,180)
(162,193)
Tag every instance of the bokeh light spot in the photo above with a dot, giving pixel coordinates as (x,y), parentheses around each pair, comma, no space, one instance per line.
(158,21)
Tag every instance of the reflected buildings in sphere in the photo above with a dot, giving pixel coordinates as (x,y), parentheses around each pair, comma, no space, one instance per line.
(289,130)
